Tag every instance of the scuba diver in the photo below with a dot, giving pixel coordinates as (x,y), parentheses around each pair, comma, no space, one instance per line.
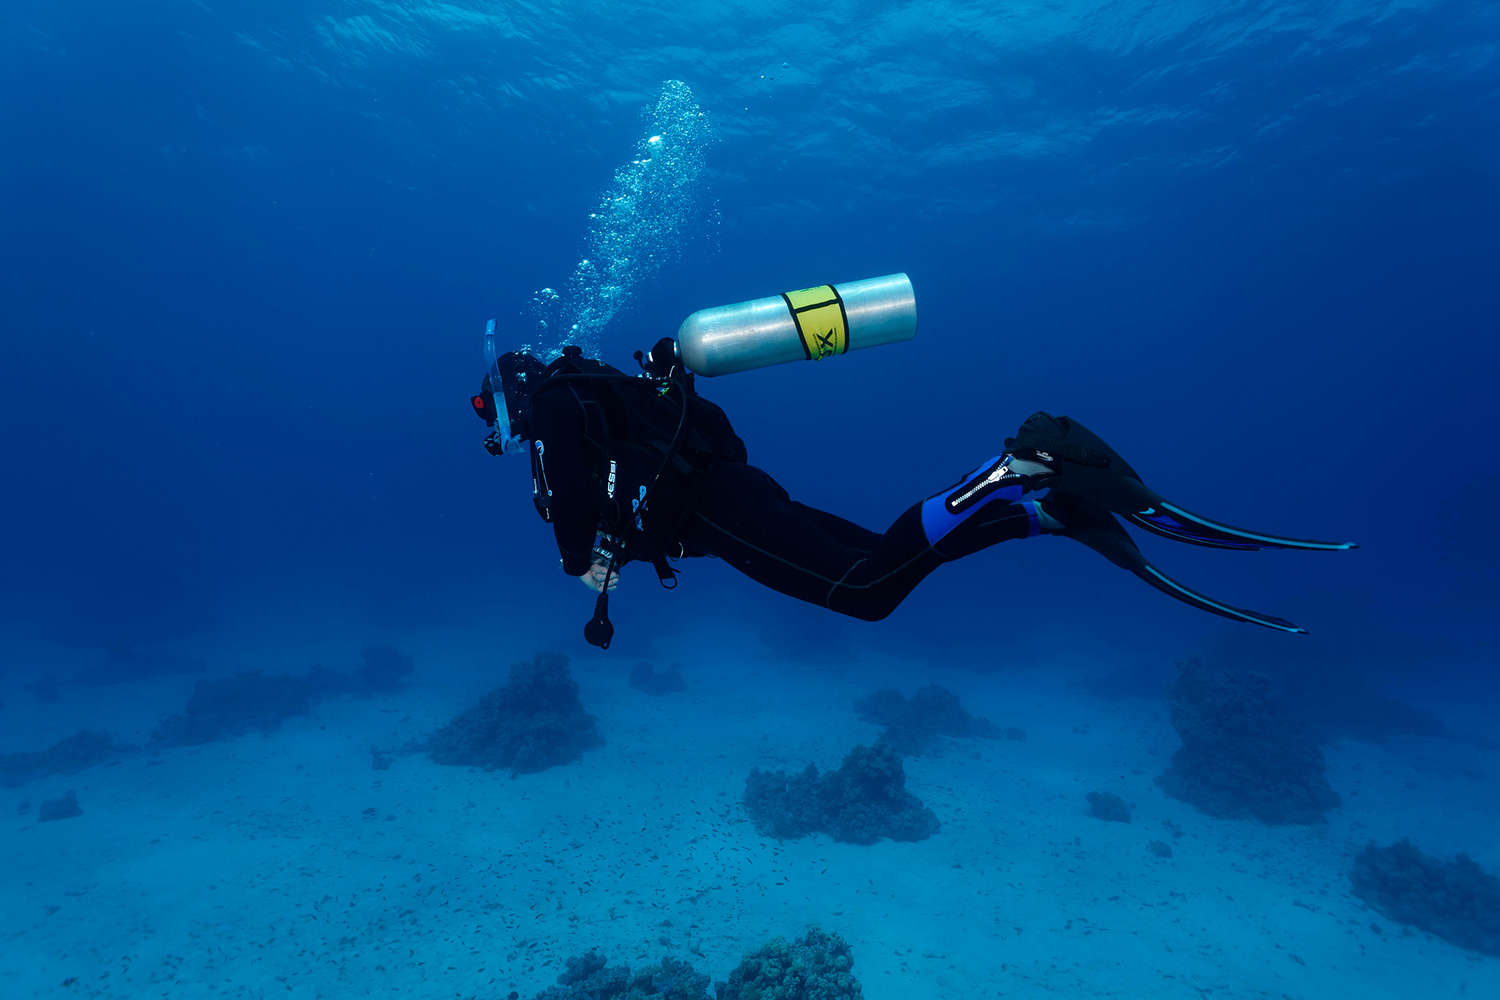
(640,468)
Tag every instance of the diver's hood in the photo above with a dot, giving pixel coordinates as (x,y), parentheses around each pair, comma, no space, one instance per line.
(518,374)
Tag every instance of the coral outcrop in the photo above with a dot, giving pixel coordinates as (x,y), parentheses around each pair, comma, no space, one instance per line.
(532,722)
(83,749)
(917,725)
(65,806)
(590,978)
(1244,753)
(816,966)
(1108,806)
(225,707)
(1455,900)
(220,708)
(861,802)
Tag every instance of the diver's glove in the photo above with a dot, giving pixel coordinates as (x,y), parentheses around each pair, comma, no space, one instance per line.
(605,568)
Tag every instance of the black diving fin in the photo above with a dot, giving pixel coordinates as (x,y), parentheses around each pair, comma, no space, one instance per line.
(1084,466)
(1097,528)
(1171,521)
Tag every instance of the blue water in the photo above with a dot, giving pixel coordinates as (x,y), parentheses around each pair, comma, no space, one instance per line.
(248,253)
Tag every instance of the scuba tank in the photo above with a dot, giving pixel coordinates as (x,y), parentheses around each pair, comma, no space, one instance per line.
(806,325)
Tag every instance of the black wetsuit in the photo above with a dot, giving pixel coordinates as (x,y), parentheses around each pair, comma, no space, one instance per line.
(710,501)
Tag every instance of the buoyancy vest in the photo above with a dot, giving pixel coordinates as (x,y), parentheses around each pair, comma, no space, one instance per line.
(646,439)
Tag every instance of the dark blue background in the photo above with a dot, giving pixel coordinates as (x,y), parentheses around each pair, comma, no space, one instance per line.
(243,293)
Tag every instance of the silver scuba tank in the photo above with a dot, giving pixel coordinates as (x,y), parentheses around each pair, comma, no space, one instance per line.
(806,325)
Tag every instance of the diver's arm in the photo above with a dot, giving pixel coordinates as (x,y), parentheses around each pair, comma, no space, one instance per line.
(714,423)
(575,543)
(600,573)
(557,428)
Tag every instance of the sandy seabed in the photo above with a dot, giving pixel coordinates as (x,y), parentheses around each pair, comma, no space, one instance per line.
(285,865)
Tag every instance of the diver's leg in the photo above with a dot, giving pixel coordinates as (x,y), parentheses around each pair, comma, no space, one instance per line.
(747,519)
(982,508)
(843,530)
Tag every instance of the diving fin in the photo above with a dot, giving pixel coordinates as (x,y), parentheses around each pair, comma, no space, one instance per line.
(1171,521)
(1081,463)
(1084,466)
(1098,529)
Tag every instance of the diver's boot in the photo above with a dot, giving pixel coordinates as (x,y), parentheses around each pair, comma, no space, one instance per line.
(1097,528)
(1092,526)
(981,509)
(1080,463)
(1083,466)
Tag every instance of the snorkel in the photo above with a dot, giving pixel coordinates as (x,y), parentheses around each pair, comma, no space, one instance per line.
(501,441)
(491,367)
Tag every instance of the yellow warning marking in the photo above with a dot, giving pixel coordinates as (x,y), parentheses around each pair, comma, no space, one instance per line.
(819,315)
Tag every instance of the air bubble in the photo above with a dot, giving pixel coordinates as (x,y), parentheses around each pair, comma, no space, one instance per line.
(654,207)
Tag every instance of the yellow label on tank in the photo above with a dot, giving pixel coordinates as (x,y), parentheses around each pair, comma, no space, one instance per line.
(821,323)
